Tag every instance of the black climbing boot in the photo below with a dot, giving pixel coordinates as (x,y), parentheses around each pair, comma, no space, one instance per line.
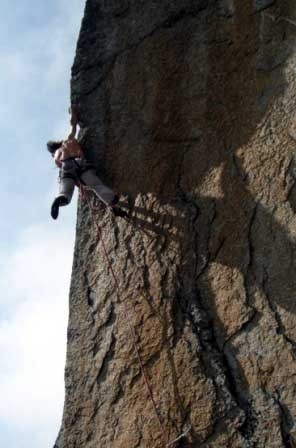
(119,212)
(60,200)
(115,200)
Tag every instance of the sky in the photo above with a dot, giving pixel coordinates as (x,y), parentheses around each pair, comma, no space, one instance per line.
(37,48)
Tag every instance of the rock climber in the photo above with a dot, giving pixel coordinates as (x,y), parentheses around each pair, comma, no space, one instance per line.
(74,169)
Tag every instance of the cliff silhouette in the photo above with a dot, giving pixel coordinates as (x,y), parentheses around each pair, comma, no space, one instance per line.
(185,108)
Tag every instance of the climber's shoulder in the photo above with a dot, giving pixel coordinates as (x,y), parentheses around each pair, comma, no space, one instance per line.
(71,142)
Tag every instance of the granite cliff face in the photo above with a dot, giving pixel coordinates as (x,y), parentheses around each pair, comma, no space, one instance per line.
(186,107)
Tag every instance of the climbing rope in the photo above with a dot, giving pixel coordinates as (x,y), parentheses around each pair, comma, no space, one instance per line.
(128,320)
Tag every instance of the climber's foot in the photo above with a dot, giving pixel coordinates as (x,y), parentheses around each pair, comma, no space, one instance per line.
(114,200)
(119,212)
(60,200)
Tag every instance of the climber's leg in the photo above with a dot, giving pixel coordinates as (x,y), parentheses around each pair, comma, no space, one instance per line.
(67,181)
(67,185)
(104,193)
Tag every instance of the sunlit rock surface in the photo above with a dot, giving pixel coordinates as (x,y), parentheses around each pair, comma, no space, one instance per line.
(187,108)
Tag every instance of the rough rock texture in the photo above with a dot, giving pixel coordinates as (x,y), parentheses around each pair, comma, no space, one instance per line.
(186,107)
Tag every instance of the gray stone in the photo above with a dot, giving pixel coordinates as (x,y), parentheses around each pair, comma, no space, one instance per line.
(186,107)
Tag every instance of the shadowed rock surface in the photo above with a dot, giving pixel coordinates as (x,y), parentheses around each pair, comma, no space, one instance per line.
(186,107)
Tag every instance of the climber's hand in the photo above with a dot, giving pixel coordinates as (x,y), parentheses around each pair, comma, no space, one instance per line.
(73,109)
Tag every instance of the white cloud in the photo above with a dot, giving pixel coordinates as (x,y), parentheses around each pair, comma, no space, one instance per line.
(37,67)
(30,271)
(35,284)
(37,53)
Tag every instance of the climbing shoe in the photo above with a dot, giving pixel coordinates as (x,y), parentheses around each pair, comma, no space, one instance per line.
(114,200)
(60,200)
(119,212)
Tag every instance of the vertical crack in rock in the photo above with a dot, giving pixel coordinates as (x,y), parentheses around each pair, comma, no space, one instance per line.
(286,424)
(280,326)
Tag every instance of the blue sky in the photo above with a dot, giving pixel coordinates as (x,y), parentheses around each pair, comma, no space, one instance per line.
(37,48)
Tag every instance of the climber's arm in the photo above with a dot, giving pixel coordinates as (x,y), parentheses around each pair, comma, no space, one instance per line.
(57,158)
(73,121)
